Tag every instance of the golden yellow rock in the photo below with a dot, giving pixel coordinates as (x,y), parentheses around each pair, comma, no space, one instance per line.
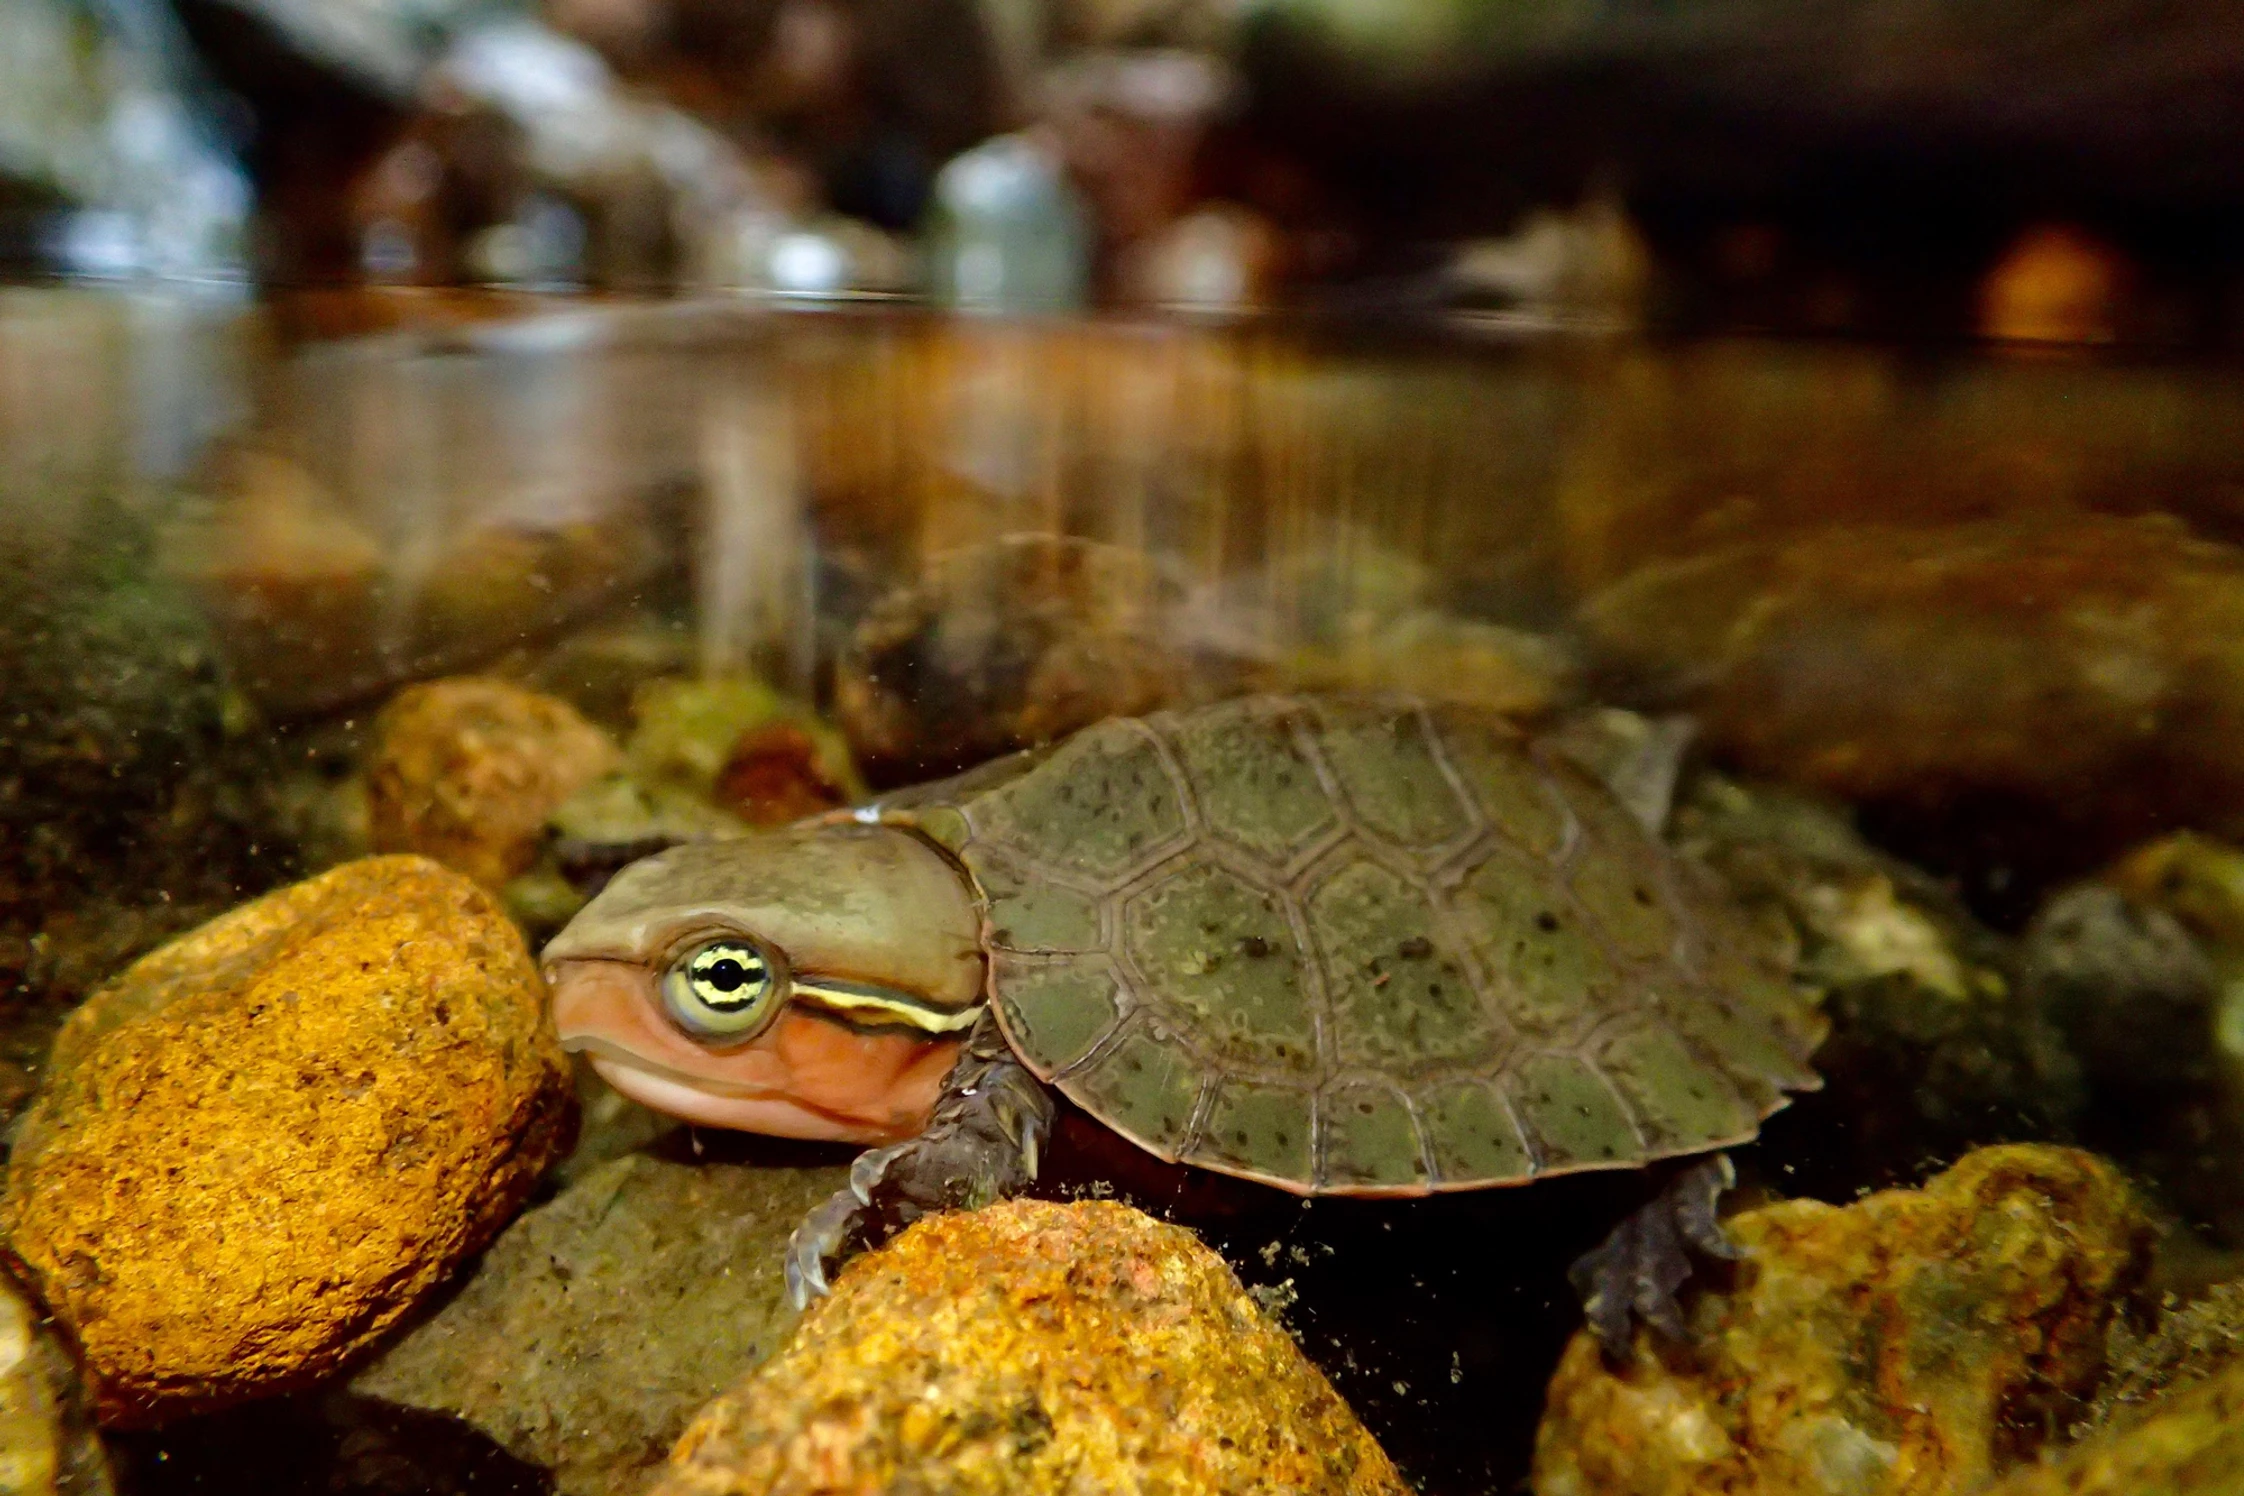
(270,1138)
(2189,1443)
(1915,1343)
(1032,1348)
(467,770)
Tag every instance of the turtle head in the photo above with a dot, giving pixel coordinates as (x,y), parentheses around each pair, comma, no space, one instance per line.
(813,982)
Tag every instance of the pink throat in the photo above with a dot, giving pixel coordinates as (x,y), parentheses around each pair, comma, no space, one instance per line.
(774,1116)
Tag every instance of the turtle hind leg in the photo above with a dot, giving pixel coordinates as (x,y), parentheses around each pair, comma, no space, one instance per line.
(982,1143)
(1634,1273)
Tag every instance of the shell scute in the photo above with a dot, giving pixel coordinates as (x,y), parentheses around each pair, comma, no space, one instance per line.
(1257,788)
(1055,1012)
(1394,779)
(1261,1130)
(1031,914)
(1576,1120)
(1472,1134)
(1680,1101)
(1146,1086)
(1552,972)
(1513,791)
(1399,989)
(1222,955)
(1371,1141)
(1103,806)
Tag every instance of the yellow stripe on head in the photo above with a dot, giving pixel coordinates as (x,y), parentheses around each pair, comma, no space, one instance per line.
(865,1004)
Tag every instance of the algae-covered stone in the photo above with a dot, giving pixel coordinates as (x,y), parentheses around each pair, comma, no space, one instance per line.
(467,770)
(1917,1341)
(2189,1443)
(2154,1012)
(599,1323)
(2189,1342)
(690,732)
(1028,1348)
(268,1139)
(1937,1042)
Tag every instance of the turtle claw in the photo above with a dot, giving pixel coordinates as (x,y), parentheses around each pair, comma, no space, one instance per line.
(827,1235)
(816,1242)
(1635,1272)
(982,1143)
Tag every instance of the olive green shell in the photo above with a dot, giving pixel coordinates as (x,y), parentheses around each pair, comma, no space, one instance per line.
(1363,945)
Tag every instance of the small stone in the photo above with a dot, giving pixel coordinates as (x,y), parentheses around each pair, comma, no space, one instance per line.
(1033,1347)
(1917,1341)
(466,771)
(269,1139)
(690,731)
(599,1323)
(774,776)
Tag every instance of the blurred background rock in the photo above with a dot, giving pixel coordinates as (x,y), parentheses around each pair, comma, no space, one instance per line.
(2063,171)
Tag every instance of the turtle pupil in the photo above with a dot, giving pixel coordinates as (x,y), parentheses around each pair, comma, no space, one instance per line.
(727,975)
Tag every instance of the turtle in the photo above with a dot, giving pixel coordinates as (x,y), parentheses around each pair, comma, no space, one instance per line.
(1360,944)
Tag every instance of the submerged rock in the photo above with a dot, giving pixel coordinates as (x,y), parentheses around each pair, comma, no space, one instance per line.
(268,1140)
(2189,1443)
(1006,645)
(703,737)
(2081,665)
(706,760)
(47,1445)
(127,770)
(1918,1341)
(599,1323)
(466,771)
(1027,1348)
(2128,984)
(1937,1044)
(2188,1343)
(2152,1011)
(1433,653)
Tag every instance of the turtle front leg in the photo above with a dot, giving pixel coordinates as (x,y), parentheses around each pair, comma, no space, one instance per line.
(982,1143)
(1634,1273)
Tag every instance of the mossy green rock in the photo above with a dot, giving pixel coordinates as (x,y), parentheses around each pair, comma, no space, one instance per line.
(597,1325)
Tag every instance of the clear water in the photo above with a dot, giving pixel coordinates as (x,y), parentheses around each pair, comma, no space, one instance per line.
(298,522)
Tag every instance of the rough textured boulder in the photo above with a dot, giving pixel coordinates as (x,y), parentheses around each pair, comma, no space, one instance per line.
(1032,1348)
(1915,1343)
(269,1139)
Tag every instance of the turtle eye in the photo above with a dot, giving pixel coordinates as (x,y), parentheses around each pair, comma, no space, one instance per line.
(723,991)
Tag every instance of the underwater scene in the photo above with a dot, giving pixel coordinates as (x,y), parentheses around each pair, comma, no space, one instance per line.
(611,896)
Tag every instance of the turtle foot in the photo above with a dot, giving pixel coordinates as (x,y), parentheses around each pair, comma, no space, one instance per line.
(1634,1273)
(982,1143)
